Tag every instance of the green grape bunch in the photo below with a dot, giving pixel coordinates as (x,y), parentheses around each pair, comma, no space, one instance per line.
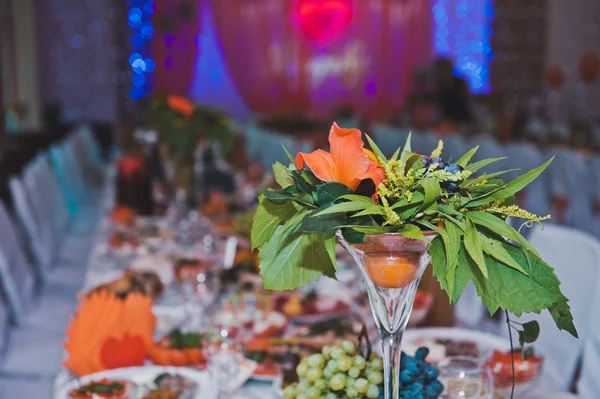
(337,372)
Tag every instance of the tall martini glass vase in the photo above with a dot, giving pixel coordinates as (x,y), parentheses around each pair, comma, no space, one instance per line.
(392,266)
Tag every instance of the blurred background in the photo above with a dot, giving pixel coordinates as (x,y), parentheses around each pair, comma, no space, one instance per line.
(195,97)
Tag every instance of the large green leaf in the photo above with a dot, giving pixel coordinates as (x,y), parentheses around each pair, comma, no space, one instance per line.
(329,192)
(282,176)
(344,207)
(292,259)
(267,217)
(561,313)
(454,281)
(510,289)
(431,191)
(473,246)
(322,224)
(497,251)
(376,149)
(475,166)
(464,160)
(511,188)
(291,158)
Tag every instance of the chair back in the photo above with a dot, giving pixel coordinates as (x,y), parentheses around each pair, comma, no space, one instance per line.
(38,238)
(575,258)
(16,272)
(589,383)
(63,175)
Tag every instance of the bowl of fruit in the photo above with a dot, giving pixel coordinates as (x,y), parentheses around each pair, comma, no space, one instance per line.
(344,371)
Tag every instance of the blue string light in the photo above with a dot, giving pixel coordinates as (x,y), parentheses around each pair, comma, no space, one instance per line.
(138,18)
(462,32)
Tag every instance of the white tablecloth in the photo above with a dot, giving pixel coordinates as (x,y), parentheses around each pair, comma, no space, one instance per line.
(98,273)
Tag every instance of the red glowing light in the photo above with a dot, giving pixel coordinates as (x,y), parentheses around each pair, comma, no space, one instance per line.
(325,20)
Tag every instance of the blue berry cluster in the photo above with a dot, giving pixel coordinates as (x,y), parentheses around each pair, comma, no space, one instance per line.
(450,187)
(418,379)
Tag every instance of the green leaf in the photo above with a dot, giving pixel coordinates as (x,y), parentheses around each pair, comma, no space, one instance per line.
(511,290)
(279,196)
(432,191)
(530,333)
(330,242)
(413,162)
(292,259)
(407,150)
(344,207)
(413,232)
(329,192)
(561,313)
(322,224)
(496,250)
(292,160)
(267,217)
(417,199)
(371,229)
(372,210)
(475,166)
(353,236)
(458,278)
(464,160)
(358,198)
(282,176)
(500,227)
(513,187)
(472,182)
(473,246)
(396,154)
(376,149)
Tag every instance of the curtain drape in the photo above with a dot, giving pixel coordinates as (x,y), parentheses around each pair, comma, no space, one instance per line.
(315,55)
(175,47)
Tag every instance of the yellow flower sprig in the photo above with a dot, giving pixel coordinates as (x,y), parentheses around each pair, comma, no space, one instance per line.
(397,184)
(516,212)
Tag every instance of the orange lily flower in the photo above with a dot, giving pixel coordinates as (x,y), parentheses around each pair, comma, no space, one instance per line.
(181,104)
(348,163)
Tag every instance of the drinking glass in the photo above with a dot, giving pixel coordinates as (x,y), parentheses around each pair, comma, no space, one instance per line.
(465,377)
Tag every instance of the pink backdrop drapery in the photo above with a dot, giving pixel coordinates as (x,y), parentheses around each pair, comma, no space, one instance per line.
(317,54)
(308,55)
(174,49)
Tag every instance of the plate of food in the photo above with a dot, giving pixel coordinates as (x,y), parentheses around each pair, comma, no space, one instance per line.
(276,356)
(147,382)
(443,342)
(528,368)
(179,348)
(261,323)
(310,307)
(148,283)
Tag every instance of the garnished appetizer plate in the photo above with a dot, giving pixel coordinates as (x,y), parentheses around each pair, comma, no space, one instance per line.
(147,382)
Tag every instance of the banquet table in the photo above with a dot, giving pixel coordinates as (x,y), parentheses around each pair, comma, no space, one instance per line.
(98,271)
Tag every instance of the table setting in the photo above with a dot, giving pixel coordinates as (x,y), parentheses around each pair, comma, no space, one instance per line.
(204,301)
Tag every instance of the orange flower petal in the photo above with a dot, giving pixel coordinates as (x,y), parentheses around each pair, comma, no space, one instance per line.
(348,156)
(371,155)
(375,173)
(181,105)
(320,162)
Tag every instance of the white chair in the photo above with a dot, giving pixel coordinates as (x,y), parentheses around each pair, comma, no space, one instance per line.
(575,257)
(589,383)
(16,273)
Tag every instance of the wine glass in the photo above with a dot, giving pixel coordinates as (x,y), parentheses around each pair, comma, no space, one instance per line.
(198,289)
(465,377)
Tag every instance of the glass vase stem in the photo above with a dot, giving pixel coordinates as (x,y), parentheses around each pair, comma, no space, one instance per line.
(390,343)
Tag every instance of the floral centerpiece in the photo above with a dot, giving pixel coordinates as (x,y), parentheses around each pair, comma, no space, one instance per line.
(180,123)
(395,216)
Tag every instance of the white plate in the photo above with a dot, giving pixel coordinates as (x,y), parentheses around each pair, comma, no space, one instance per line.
(207,388)
(486,343)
